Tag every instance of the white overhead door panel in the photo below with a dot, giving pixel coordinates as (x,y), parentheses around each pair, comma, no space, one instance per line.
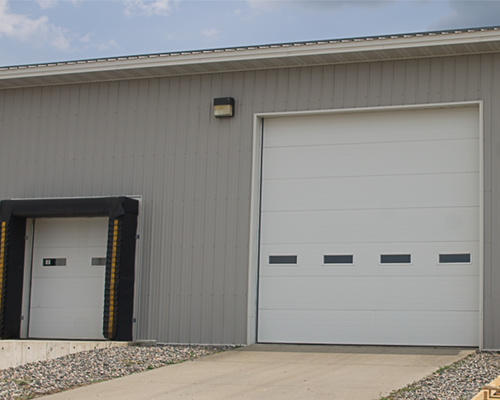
(382,225)
(372,159)
(368,327)
(67,300)
(305,293)
(389,192)
(361,192)
(351,128)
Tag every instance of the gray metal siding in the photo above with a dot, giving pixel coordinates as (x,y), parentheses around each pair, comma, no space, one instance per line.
(158,138)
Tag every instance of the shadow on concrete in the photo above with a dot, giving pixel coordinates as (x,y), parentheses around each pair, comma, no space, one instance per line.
(339,349)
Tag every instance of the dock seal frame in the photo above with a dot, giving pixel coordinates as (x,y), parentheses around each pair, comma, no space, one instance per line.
(118,299)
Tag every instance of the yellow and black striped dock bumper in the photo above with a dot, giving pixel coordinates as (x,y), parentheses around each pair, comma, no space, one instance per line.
(112,278)
(3,270)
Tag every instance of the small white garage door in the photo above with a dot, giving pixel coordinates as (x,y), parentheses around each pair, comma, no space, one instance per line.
(67,292)
(370,228)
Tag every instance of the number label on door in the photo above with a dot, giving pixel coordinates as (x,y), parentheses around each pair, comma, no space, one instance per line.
(53,262)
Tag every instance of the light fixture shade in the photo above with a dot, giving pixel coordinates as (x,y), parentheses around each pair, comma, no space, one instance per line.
(223,107)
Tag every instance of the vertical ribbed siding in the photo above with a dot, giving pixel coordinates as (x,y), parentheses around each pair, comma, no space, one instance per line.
(157,138)
(491,90)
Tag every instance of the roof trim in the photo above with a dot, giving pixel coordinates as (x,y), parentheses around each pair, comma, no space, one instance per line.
(412,45)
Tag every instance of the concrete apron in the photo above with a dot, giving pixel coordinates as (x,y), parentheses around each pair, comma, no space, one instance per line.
(19,352)
(279,372)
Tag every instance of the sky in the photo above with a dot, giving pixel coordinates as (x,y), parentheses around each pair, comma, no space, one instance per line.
(41,31)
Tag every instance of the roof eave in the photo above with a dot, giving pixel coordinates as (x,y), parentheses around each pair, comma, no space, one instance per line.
(250,58)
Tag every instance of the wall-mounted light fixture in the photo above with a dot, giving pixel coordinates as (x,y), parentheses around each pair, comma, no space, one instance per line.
(223,107)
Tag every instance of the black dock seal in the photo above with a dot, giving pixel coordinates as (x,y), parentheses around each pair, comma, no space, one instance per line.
(118,299)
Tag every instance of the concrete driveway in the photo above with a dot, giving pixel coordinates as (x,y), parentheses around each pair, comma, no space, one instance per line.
(279,372)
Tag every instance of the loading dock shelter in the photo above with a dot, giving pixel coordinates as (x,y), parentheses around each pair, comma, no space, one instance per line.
(352,198)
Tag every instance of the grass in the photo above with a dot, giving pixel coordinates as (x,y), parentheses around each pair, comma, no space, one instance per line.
(19,382)
(409,388)
(442,369)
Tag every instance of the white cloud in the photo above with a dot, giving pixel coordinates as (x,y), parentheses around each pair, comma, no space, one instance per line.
(40,32)
(210,33)
(23,28)
(107,45)
(90,43)
(86,38)
(52,3)
(57,37)
(47,3)
(148,7)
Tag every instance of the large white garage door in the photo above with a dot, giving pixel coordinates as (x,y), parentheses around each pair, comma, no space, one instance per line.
(370,228)
(67,292)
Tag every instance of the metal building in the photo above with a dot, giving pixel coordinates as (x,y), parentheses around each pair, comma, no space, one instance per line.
(352,198)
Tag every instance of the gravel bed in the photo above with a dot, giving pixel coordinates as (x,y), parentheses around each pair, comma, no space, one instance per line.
(44,377)
(460,381)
